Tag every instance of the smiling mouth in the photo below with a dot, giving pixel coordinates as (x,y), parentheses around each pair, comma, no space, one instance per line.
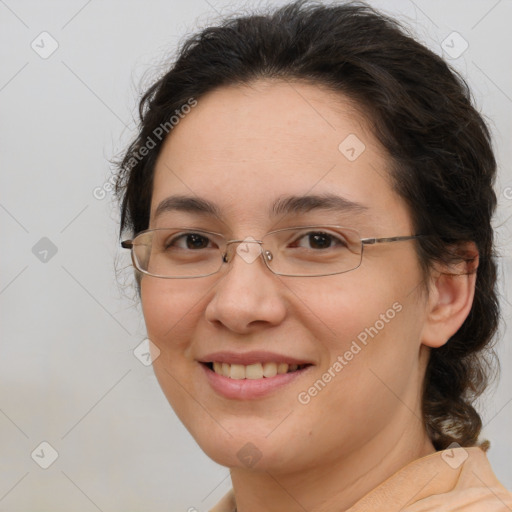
(253,371)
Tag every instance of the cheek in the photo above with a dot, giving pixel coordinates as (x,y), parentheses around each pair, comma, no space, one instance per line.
(369,325)
(169,309)
(351,308)
(370,367)
(171,312)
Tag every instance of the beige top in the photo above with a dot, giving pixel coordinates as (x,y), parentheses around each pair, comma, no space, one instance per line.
(456,480)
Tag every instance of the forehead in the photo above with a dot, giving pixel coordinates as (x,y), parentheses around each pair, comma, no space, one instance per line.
(242,147)
(273,119)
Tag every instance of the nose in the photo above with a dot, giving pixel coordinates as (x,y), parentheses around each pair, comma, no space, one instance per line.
(248,296)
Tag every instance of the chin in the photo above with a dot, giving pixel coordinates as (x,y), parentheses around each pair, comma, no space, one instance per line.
(258,453)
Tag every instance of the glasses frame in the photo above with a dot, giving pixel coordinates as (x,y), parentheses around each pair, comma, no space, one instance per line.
(130,244)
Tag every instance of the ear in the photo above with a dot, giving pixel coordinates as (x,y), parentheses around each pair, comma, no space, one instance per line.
(451,293)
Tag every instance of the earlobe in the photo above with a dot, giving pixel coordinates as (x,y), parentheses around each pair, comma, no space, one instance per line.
(451,293)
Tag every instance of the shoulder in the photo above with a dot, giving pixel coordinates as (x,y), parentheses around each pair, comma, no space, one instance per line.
(458,479)
(476,487)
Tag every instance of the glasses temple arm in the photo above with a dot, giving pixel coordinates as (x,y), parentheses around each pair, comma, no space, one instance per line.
(371,241)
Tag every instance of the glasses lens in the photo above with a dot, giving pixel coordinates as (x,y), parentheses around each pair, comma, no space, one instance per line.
(313,250)
(176,252)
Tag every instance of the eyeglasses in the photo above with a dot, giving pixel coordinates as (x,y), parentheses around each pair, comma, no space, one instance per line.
(305,251)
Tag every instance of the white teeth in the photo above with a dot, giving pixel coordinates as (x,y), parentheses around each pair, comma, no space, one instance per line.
(269,370)
(237,371)
(253,371)
(282,368)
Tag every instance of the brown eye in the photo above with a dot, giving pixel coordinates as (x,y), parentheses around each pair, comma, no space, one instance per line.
(319,240)
(195,241)
(192,241)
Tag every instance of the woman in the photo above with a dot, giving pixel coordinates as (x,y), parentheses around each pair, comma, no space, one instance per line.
(309,202)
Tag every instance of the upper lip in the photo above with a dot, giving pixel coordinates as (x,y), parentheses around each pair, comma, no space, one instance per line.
(253,357)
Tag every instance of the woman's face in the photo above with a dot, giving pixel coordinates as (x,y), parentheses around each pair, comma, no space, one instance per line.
(242,149)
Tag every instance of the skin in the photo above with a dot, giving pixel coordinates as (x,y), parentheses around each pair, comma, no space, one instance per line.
(242,147)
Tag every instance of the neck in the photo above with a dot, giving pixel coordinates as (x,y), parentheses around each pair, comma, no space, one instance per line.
(336,485)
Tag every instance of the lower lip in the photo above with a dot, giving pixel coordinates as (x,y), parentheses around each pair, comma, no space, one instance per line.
(249,389)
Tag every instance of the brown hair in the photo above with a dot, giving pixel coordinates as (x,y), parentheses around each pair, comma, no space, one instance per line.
(421,111)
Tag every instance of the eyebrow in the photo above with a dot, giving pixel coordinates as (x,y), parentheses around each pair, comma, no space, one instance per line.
(285,205)
(303,204)
(187,204)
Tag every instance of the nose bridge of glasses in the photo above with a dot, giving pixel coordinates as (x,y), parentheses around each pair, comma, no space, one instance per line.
(248,249)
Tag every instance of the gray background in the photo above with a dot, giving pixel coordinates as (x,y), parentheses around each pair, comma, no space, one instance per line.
(69,376)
